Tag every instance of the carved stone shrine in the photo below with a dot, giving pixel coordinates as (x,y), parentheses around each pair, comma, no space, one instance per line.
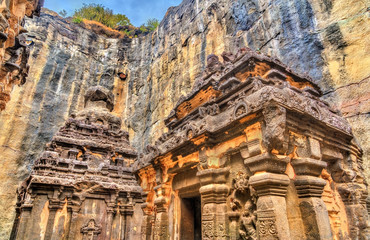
(253,152)
(83,186)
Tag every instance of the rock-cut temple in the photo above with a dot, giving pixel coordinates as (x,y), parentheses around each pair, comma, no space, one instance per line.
(252,152)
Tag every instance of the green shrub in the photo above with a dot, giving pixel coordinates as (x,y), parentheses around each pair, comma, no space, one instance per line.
(152,24)
(77,19)
(99,13)
(143,28)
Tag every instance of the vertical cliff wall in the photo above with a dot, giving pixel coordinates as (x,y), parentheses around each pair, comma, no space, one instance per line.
(324,39)
(65,61)
(13,44)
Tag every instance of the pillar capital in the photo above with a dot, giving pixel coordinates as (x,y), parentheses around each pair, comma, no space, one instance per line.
(213,176)
(126,209)
(26,207)
(111,210)
(270,184)
(308,166)
(308,186)
(55,204)
(267,162)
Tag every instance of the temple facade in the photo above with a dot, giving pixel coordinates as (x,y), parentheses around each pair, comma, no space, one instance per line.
(83,186)
(252,152)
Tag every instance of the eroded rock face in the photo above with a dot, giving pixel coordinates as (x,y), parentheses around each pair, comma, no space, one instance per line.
(14,44)
(321,38)
(67,61)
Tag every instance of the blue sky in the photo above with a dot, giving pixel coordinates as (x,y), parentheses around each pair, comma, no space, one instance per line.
(138,11)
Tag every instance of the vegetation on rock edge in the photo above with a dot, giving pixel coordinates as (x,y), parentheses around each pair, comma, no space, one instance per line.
(105,16)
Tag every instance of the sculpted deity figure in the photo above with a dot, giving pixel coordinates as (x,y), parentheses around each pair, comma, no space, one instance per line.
(248,222)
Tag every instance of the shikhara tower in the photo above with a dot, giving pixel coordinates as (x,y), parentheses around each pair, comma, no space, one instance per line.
(82,186)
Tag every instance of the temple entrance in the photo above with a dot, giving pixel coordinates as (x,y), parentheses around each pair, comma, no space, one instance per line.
(191,219)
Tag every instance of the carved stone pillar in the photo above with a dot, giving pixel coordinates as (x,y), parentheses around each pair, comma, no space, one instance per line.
(54,206)
(123,223)
(271,185)
(24,220)
(353,195)
(111,211)
(234,225)
(126,211)
(214,192)
(309,188)
(73,211)
(13,234)
(161,231)
(146,227)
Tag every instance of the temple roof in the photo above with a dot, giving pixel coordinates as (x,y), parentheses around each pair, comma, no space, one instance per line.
(90,147)
(235,91)
(239,67)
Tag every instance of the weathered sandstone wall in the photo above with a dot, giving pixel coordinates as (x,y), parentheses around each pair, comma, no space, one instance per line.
(325,39)
(13,44)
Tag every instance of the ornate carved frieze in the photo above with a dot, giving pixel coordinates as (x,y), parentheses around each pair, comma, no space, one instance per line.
(260,84)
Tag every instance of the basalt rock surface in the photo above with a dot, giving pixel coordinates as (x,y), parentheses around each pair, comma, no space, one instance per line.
(14,44)
(324,39)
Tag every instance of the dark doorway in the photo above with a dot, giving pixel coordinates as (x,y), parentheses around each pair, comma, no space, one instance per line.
(191,219)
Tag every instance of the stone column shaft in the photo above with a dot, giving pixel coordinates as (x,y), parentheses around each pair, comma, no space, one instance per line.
(271,186)
(126,212)
(72,224)
(146,228)
(53,208)
(24,220)
(214,194)
(234,225)
(309,188)
(161,231)
(272,220)
(128,225)
(110,215)
(15,228)
(353,196)
(123,226)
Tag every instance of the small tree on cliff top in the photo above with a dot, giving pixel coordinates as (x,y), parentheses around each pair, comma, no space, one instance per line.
(99,13)
(152,24)
(63,13)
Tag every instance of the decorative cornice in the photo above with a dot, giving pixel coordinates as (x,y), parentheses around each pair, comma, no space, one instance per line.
(242,88)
